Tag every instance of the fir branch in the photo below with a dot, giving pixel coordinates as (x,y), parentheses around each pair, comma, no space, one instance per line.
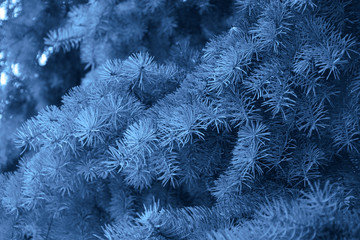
(65,38)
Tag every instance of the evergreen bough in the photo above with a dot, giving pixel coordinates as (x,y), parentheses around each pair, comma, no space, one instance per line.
(243,143)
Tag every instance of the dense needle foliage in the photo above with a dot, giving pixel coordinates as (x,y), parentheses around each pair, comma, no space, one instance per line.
(196,119)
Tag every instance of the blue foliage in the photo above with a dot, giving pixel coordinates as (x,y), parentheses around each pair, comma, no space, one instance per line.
(256,137)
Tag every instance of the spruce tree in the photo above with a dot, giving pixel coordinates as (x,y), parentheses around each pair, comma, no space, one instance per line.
(195,119)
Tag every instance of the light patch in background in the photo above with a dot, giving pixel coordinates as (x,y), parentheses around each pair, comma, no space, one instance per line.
(15,69)
(1,55)
(3,13)
(14,5)
(17,7)
(3,79)
(43,59)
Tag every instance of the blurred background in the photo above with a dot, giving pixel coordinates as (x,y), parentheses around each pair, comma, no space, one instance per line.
(29,79)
